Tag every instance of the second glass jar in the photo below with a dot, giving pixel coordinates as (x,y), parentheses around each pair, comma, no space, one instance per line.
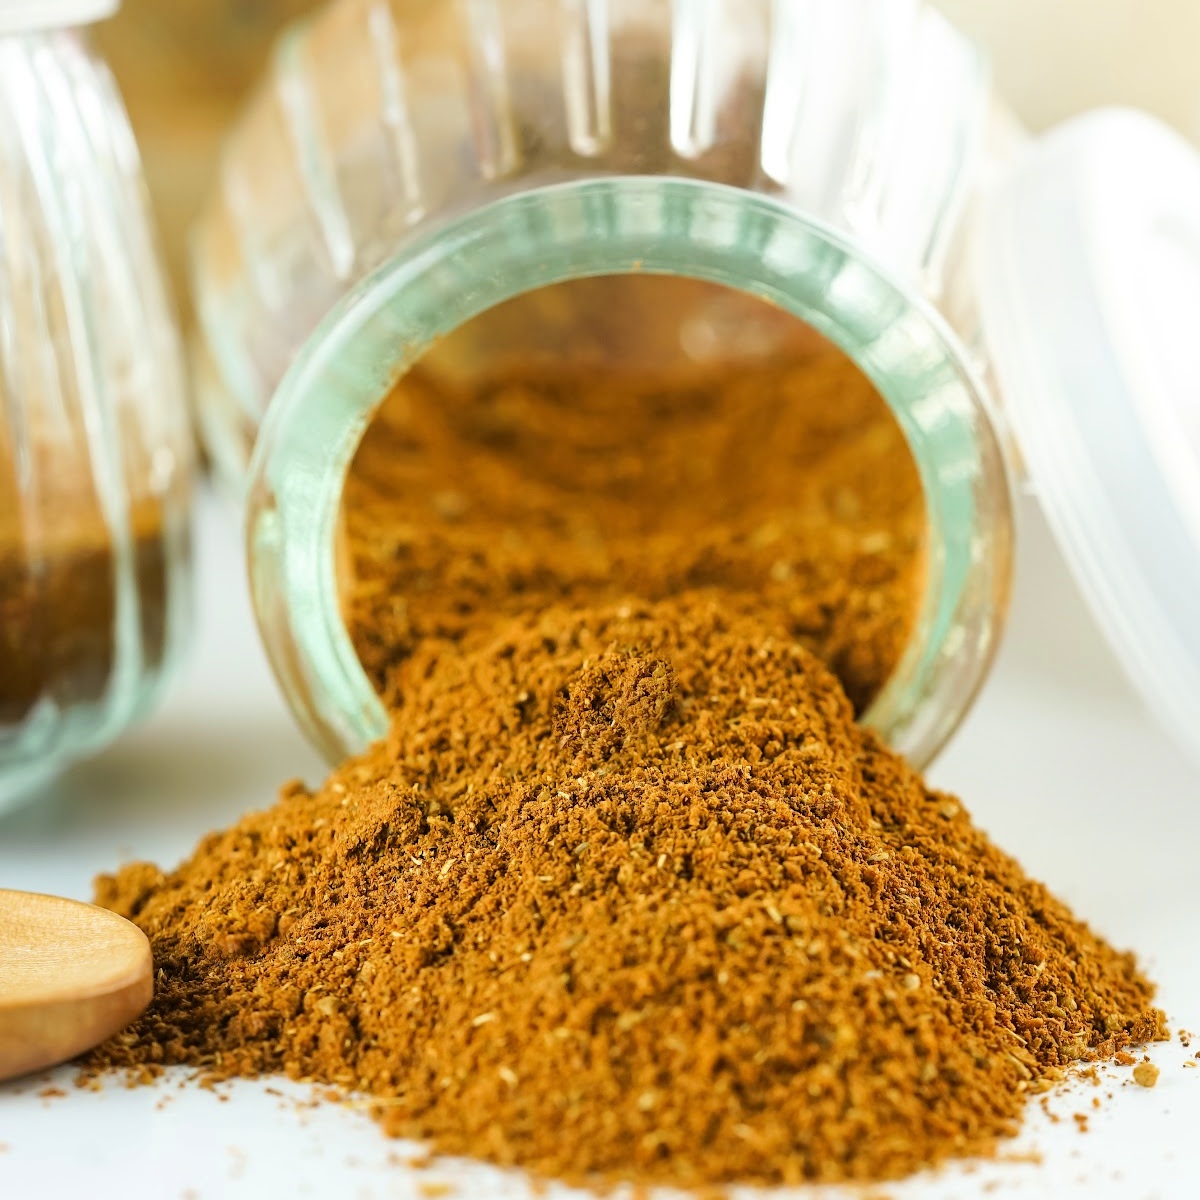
(409,167)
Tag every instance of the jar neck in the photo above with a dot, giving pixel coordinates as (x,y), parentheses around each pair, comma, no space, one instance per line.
(613,226)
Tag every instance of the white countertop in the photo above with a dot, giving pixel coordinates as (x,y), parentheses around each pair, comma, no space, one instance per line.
(1057,761)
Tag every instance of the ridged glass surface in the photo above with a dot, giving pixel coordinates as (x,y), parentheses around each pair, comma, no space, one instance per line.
(383,119)
(408,163)
(95,453)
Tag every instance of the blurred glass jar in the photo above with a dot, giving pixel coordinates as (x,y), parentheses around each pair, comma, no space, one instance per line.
(183,68)
(95,450)
(411,164)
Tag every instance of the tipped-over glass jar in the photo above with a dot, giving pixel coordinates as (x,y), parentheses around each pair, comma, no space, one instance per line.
(409,166)
(95,451)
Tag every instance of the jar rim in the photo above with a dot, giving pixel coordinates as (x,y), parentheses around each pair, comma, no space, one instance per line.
(620,225)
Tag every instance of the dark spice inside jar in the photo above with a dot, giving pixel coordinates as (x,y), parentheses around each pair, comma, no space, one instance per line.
(58,607)
(627,893)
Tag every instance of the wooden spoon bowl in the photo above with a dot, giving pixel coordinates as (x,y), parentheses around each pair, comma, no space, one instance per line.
(71,975)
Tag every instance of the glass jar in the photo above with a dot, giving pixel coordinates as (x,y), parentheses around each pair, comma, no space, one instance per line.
(183,68)
(95,451)
(410,165)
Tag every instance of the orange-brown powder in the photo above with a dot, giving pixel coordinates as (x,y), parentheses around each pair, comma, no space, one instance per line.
(783,486)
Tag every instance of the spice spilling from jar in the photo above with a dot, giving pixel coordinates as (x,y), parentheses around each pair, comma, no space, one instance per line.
(504,475)
(627,893)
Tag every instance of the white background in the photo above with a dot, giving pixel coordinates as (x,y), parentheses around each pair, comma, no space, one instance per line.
(1058,762)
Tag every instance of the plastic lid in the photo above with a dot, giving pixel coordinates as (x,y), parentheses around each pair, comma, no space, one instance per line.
(1089,266)
(23,16)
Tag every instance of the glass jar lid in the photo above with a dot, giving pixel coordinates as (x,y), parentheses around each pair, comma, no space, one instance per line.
(1089,282)
(23,16)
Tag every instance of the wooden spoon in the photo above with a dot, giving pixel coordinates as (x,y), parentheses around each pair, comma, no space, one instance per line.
(70,976)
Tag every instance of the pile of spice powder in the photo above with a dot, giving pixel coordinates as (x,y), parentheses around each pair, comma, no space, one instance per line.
(782,485)
(627,894)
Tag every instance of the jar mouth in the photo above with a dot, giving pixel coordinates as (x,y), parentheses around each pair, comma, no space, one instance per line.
(621,225)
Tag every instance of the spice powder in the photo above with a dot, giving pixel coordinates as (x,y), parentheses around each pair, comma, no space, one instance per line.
(626,893)
(504,475)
